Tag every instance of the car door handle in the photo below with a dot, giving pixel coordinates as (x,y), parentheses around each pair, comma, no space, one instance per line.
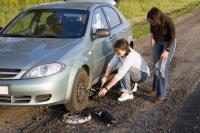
(124,30)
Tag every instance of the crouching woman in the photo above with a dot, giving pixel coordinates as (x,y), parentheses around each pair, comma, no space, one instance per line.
(132,69)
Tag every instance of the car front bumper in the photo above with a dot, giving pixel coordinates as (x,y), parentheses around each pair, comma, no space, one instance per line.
(49,90)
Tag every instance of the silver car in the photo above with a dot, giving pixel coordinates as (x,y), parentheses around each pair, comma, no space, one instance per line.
(53,53)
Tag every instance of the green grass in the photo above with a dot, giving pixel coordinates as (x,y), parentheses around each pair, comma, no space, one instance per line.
(141,28)
(10,8)
(134,10)
(185,10)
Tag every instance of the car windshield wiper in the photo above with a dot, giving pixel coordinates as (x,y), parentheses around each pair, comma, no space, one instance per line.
(47,36)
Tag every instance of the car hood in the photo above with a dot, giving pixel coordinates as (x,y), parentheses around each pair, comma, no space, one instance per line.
(24,53)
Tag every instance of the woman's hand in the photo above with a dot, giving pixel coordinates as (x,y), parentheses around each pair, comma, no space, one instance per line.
(164,55)
(152,42)
(102,92)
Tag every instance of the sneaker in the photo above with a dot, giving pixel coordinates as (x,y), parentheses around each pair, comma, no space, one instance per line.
(135,87)
(125,96)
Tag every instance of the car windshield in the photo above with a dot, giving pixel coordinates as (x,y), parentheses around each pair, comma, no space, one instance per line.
(55,23)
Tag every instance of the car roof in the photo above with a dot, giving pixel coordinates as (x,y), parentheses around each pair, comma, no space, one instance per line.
(70,4)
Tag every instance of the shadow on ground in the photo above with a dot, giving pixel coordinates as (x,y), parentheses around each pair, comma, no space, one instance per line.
(188,118)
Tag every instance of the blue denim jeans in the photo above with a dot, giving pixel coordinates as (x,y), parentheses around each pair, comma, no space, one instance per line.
(133,76)
(161,68)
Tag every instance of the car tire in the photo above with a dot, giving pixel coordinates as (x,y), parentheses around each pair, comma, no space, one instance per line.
(80,96)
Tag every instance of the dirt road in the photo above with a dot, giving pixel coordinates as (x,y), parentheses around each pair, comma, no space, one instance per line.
(180,114)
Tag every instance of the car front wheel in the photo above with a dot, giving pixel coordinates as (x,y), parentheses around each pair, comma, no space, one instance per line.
(80,96)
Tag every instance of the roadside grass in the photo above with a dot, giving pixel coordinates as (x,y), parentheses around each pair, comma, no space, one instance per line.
(10,8)
(142,27)
(134,10)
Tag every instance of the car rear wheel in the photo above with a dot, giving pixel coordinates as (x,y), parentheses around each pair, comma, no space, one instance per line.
(80,96)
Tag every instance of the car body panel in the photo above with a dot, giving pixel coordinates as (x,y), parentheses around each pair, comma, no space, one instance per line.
(25,53)
(54,85)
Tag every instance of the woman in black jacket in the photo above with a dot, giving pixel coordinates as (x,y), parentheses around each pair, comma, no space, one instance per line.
(163,43)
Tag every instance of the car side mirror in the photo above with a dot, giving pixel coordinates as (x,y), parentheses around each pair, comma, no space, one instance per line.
(100,33)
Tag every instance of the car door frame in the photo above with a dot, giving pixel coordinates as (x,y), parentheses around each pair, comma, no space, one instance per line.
(106,42)
(113,38)
(123,22)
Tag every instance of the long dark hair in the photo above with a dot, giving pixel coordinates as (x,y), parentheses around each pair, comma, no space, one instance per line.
(122,44)
(157,16)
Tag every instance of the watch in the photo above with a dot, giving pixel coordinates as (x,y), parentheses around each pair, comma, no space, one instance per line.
(106,88)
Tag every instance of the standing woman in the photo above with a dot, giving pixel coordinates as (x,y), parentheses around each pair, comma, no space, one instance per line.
(163,43)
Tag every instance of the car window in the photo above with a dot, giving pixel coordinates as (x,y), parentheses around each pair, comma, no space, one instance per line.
(112,16)
(23,25)
(99,21)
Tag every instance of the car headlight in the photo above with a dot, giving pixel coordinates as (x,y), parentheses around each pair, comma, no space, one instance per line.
(44,70)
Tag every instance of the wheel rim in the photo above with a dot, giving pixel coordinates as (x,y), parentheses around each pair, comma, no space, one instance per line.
(81,91)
